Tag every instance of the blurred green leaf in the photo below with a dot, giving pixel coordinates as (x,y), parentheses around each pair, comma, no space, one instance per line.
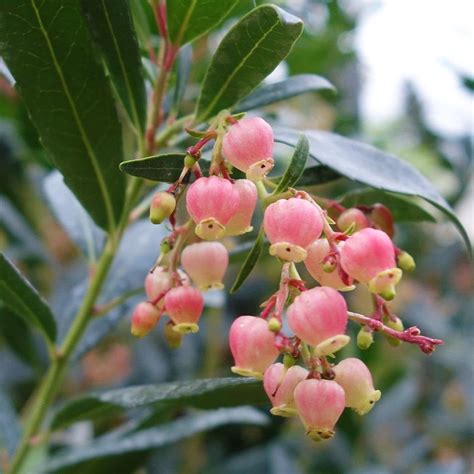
(189,19)
(18,337)
(264,38)
(182,428)
(204,393)
(296,166)
(20,296)
(112,27)
(402,208)
(183,70)
(250,261)
(291,87)
(368,165)
(49,51)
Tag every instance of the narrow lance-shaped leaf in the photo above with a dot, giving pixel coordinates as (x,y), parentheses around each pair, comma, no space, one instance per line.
(365,164)
(20,296)
(249,262)
(189,19)
(291,87)
(204,393)
(313,175)
(112,27)
(250,51)
(165,168)
(296,166)
(154,437)
(48,49)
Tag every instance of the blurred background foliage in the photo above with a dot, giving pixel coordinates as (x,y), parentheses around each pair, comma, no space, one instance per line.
(425,420)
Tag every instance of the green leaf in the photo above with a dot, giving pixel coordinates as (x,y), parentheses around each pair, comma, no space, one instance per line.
(375,168)
(182,428)
(49,51)
(264,38)
(183,70)
(189,19)
(296,167)
(164,168)
(314,175)
(403,208)
(18,337)
(291,87)
(19,295)
(204,393)
(112,27)
(250,261)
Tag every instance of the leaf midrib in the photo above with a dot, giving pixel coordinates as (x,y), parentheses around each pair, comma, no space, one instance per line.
(131,97)
(184,25)
(85,140)
(236,70)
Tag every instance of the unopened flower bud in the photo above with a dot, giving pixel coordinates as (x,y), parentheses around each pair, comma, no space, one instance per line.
(241,222)
(320,403)
(211,203)
(274,325)
(162,206)
(352,217)
(172,337)
(394,322)
(184,305)
(319,318)
(382,218)
(189,161)
(291,225)
(252,346)
(355,378)
(144,318)
(165,247)
(369,257)
(365,338)
(248,146)
(279,384)
(206,264)
(288,361)
(406,262)
(314,263)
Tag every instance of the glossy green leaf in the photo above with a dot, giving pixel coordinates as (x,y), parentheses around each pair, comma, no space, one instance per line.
(403,208)
(189,19)
(250,261)
(291,87)
(204,393)
(296,166)
(48,49)
(164,168)
(111,24)
(314,175)
(18,337)
(182,428)
(20,296)
(365,164)
(264,37)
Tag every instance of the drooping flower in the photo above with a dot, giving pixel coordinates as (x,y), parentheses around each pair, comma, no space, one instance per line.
(252,346)
(291,225)
(352,217)
(241,222)
(248,146)
(206,264)
(144,318)
(356,380)
(184,305)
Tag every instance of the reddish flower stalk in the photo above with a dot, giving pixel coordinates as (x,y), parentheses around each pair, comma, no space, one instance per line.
(411,335)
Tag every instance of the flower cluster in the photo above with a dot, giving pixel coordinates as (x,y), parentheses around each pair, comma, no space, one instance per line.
(340,248)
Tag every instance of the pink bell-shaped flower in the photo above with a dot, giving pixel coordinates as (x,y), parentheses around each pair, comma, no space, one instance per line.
(369,257)
(319,318)
(354,218)
(211,203)
(320,403)
(292,225)
(158,281)
(144,318)
(314,263)
(252,345)
(206,264)
(279,384)
(248,145)
(242,220)
(356,380)
(184,305)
